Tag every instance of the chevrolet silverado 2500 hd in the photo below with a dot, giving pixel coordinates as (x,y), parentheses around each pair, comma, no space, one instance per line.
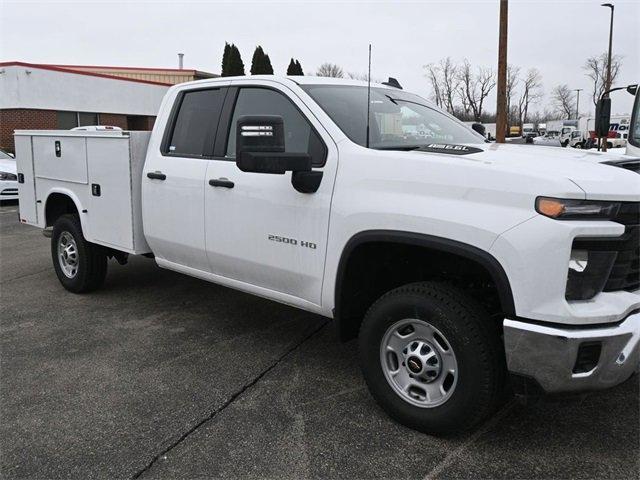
(454,261)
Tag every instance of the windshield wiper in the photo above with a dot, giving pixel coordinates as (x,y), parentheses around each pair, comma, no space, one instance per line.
(404,148)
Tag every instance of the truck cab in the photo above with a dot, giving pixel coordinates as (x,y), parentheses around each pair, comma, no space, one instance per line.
(462,268)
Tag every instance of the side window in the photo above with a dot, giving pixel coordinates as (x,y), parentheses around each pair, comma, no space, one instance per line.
(299,136)
(195,124)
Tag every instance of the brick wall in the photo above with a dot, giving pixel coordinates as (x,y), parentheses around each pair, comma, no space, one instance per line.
(114,120)
(23,119)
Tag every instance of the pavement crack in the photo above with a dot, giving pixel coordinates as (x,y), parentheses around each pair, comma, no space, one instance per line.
(457,453)
(228,402)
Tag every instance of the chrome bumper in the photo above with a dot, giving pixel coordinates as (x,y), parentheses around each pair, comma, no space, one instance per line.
(549,354)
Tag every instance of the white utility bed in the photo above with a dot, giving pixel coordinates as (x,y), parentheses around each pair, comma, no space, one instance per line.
(100,171)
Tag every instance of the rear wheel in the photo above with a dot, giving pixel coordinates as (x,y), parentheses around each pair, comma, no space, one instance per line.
(81,266)
(432,358)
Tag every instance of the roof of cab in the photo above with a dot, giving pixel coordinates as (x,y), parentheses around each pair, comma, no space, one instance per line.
(298,80)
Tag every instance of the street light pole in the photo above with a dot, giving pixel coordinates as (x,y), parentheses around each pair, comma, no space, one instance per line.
(608,82)
(501,107)
(577,90)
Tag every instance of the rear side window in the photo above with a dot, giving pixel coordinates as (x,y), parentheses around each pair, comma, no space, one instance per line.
(196,122)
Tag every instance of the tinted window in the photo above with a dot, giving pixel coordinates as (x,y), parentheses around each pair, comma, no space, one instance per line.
(88,119)
(67,120)
(196,123)
(299,136)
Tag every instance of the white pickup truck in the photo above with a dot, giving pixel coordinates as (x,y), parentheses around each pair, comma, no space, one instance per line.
(454,261)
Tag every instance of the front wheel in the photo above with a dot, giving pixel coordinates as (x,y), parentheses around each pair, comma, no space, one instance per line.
(81,266)
(432,358)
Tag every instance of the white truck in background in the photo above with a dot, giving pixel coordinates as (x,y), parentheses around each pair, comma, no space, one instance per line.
(453,261)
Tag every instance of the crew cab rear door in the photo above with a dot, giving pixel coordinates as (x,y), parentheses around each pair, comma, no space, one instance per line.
(259,229)
(173,183)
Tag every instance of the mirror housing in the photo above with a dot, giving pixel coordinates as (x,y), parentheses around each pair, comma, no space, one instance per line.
(478,127)
(603,117)
(260,147)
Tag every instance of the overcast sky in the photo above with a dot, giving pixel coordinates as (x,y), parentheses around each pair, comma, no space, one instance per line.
(555,36)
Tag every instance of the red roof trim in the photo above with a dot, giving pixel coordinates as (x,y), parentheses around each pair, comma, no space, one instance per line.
(78,72)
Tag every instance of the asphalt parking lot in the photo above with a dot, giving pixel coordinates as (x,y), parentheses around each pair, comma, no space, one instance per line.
(159,375)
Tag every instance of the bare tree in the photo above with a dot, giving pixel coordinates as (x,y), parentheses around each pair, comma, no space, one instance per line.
(450,83)
(330,70)
(433,75)
(444,82)
(513,78)
(362,76)
(563,99)
(474,88)
(596,68)
(531,93)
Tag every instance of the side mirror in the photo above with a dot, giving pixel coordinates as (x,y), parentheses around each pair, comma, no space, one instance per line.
(478,127)
(603,117)
(260,147)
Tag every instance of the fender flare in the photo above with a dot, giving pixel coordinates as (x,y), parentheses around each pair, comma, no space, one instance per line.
(74,198)
(470,252)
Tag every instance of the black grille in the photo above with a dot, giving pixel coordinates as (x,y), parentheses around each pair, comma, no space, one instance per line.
(625,274)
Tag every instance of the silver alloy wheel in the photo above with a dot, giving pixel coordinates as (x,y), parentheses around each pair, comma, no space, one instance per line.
(419,363)
(68,254)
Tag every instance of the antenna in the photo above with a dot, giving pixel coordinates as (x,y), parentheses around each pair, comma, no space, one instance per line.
(368,95)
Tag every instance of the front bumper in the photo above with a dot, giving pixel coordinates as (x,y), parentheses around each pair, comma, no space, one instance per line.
(549,354)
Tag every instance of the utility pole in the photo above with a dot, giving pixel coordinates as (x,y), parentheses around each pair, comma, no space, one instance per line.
(577,90)
(608,82)
(501,106)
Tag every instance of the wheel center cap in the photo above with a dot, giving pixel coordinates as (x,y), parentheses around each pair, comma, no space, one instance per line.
(414,364)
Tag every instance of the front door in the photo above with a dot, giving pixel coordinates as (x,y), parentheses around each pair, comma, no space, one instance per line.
(173,181)
(259,229)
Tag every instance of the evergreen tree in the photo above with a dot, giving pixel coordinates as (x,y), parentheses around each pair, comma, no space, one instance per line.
(291,69)
(266,65)
(256,61)
(225,60)
(294,68)
(261,63)
(236,67)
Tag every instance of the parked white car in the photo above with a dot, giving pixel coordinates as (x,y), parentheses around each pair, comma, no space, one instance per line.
(8,177)
(549,139)
(454,261)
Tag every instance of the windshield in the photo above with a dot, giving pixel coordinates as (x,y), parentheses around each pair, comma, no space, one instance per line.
(399,120)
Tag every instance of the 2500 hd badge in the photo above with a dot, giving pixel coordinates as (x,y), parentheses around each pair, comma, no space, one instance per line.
(292,241)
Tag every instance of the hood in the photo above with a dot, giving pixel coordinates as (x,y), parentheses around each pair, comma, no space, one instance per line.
(594,172)
(7,165)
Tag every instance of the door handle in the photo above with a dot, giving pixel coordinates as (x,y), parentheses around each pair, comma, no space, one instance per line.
(156,176)
(221,182)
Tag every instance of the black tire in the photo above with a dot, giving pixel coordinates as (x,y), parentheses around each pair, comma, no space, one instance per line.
(91,258)
(472,335)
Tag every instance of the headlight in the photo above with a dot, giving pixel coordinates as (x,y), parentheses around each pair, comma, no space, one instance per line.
(564,209)
(8,176)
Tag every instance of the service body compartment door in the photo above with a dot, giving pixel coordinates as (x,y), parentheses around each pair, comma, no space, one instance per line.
(60,158)
(26,180)
(109,212)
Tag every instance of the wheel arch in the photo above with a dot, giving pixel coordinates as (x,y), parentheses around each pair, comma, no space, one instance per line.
(60,201)
(347,326)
